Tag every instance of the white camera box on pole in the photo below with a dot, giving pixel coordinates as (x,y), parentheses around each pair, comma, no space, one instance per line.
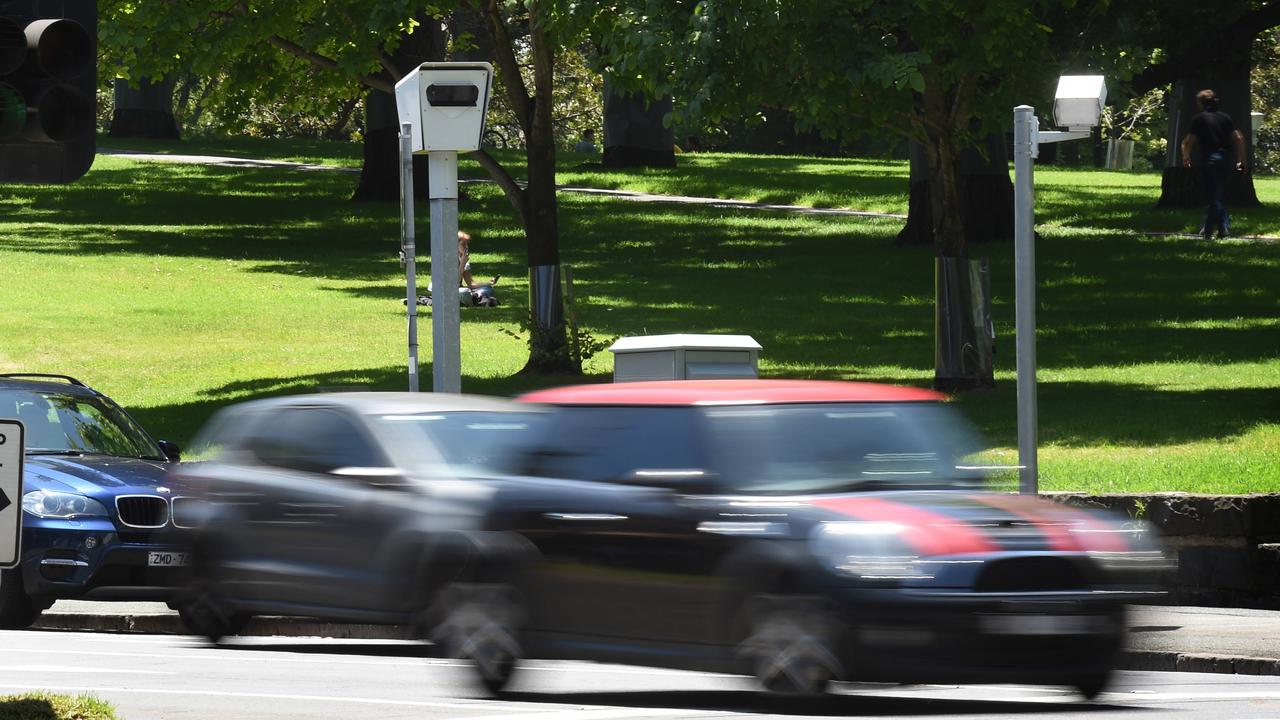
(1078,102)
(446,103)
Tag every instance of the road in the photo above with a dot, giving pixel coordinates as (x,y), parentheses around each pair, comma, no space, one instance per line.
(164,676)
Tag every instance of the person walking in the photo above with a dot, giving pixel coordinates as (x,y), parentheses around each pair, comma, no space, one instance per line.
(1210,143)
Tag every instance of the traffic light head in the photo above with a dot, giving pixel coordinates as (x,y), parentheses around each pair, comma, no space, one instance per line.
(48,89)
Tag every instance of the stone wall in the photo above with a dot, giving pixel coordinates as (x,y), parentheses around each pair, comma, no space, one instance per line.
(1227,546)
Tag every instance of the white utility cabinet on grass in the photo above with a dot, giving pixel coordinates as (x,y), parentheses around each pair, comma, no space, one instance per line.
(685,357)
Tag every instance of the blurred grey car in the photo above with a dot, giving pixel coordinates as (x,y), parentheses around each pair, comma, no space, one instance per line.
(349,506)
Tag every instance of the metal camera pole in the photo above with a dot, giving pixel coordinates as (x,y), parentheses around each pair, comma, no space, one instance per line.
(1027,138)
(1024,264)
(446,313)
(408,246)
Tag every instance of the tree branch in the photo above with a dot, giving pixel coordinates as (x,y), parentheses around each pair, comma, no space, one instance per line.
(505,57)
(512,189)
(373,81)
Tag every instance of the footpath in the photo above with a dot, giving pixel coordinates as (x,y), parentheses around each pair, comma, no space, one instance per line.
(724,203)
(1163,638)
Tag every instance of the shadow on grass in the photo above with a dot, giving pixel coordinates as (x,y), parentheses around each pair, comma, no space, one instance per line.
(180,421)
(1086,414)
(826,297)
(28,709)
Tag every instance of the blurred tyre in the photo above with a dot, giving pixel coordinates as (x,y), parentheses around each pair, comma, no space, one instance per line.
(790,642)
(204,609)
(481,623)
(17,611)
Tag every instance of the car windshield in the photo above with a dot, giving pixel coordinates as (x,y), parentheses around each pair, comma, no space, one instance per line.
(65,423)
(468,442)
(795,449)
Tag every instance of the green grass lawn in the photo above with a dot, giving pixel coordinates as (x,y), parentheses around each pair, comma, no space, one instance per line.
(179,289)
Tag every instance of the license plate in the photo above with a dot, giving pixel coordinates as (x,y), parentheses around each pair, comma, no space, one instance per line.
(168,559)
(1044,624)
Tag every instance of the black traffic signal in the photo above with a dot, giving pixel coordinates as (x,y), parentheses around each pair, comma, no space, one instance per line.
(48,89)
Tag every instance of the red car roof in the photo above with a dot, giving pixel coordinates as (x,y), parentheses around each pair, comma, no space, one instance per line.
(729,392)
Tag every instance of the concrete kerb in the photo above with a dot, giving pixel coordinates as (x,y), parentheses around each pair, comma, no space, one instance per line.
(170,624)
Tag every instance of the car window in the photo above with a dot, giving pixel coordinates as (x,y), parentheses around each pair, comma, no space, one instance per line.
(468,442)
(606,444)
(61,422)
(313,439)
(833,447)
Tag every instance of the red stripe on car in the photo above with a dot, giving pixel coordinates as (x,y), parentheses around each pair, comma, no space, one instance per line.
(1061,526)
(1054,526)
(928,533)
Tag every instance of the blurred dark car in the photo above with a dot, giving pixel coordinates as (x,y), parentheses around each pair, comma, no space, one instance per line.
(344,506)
(98,521)
(798,531)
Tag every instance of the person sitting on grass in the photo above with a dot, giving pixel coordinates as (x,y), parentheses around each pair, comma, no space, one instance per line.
(470,292)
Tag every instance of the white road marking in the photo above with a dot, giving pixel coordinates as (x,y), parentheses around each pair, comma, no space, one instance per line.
(591,714)
(77,669)
(520,710)
(265,653)
(474,704)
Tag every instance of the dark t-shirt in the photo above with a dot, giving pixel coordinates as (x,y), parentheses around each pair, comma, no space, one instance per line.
(1213,131)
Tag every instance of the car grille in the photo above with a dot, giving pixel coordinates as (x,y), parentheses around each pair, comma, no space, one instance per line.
(1023,574)
(143,511)
(186,512)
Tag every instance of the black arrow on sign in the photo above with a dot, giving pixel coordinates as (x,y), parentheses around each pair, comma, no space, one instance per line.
(4,501)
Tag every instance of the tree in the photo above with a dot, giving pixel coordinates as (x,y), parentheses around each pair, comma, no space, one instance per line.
(372,45)
(143,110)
(939,73)
(1192,46)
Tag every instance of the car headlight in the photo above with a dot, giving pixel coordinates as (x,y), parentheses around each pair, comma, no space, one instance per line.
(61,505)
(868,550)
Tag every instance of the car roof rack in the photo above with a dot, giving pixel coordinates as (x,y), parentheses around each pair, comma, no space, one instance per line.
(51,376)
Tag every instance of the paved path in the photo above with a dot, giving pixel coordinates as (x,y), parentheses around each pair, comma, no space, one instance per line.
(620,194)
(157,677)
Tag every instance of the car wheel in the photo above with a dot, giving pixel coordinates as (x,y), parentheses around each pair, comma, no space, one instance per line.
(481,623)
(202,605)
(17,610)
(1092,685)
(791,644)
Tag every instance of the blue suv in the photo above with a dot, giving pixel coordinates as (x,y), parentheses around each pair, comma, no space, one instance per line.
(99,521)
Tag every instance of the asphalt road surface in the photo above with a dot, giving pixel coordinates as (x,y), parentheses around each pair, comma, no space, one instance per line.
(160,677)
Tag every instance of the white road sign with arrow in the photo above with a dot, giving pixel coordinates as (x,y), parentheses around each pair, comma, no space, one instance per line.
(11,444)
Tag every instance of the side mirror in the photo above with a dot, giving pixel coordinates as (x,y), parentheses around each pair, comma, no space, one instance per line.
(680,480)
(170,450)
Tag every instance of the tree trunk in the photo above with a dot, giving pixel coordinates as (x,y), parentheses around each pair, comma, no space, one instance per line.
(144,111)
(548,342)
(380,174)
(944,207)
(1229,76)
(635,134)
(985,191)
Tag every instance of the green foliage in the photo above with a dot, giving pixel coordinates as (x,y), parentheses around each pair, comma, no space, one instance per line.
(853,68)
(52,706)
(578,100)
(1266,99)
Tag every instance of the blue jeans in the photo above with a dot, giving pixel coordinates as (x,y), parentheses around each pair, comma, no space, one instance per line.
(1213,174)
